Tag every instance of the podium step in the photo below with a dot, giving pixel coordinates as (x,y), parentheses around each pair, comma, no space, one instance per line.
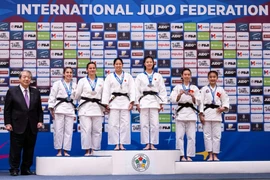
(72,166)
(142,162)
(219,167)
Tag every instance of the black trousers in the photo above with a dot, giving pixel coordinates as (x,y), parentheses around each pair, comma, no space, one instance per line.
(22,147)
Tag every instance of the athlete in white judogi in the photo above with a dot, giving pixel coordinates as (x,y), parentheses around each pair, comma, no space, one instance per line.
(150,95)
(89,91)
(187,96)
(214,101)
(119,96)
(63,111)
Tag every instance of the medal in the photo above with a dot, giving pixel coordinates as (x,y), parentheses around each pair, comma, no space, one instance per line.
(68,91)
(213,94)
(92,85)
(120,80)
(150,79)
(185,89)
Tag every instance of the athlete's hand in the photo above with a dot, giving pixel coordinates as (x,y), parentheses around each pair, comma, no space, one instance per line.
(138,108)
(161,108)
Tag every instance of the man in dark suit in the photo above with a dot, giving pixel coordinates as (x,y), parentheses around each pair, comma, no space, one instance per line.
(23,116)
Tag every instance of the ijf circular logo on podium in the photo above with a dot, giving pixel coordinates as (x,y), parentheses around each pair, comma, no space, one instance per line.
(140,162)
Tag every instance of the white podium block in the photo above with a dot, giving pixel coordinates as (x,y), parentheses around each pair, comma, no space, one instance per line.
(220,167)
(142,162)
(72,166)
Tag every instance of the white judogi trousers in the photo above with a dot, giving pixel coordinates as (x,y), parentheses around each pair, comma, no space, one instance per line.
(212,136)
(119,127)
(91,132)
(188,127)
(63,131)
(149,117)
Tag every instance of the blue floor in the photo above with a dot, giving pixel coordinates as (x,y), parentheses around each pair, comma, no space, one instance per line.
(5,175)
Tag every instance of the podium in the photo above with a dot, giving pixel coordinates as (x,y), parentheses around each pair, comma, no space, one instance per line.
(141,162)
(110,162)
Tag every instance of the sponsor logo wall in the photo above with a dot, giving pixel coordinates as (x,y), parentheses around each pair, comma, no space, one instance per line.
(239,52)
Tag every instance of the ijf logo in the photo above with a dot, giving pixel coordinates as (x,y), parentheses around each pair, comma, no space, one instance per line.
(140,162)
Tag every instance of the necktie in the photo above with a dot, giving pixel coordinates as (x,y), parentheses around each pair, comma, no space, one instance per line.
(26,97)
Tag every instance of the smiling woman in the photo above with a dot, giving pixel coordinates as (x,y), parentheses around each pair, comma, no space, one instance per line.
(62,110)
(119,97)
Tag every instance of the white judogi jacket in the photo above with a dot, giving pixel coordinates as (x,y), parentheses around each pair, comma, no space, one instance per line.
(112,85)
(221,99)
(84,90)
(186,114)
(150,101)
(58,91)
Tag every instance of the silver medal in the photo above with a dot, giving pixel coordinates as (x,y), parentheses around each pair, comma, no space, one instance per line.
(93,92)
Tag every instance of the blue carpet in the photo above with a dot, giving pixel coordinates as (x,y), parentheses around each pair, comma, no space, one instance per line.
(6,176)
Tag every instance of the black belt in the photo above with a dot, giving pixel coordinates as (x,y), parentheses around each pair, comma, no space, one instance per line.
(62,100)
(186,105)
(115,94)
(213,106)
(94,100)
(145,93)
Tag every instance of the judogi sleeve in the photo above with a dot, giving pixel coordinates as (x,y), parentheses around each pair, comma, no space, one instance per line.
(201,106)
(197,96)
(131,89)
(174,94)
(225,101)
(138,89)
(162,91)
(53,95)
(74,89)
(106,91)
(79,89)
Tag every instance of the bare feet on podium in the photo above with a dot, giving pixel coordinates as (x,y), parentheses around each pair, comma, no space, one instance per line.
(66,153)
(189,159)
(147,147)
(210,156)
(153,147)
(92,152)
(122,147)
(182,158)
(116,147)
(59,153)
(87,152)
(215,157)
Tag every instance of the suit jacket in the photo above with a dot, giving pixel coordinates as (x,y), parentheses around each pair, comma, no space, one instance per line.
(18,114)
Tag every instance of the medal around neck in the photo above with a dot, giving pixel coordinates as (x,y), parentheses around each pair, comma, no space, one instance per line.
(93,92)
(68,98)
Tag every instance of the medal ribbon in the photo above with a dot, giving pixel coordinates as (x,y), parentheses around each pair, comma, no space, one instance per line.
(119,80)
(213,93)
(186,89)
(92,84)
(66,88)
(150,78)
